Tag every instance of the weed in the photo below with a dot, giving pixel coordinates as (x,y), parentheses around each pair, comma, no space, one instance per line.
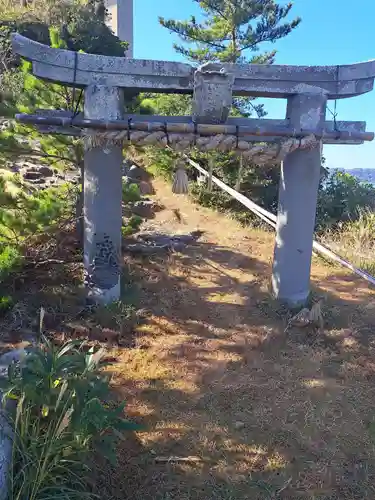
(114,315)
(60,415)
(10,261)
(6,303)
(355,240)
(130,192)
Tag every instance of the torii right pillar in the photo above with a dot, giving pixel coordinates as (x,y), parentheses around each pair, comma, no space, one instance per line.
(298,194)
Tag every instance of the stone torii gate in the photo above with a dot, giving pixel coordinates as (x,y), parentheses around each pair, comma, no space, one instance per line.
(105,79)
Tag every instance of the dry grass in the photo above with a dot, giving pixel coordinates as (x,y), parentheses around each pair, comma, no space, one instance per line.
(355,240)
(214,375)
(213,372)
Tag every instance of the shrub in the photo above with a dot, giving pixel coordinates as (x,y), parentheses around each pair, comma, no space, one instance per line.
(60,416)
(10,261)
(6,302)
(341,197)
(131,226)
(25,215)
(130,192)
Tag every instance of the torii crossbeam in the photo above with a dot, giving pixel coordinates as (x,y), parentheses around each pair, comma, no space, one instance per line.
(213,85)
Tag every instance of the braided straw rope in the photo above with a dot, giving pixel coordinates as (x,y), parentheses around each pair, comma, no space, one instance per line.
(257,153)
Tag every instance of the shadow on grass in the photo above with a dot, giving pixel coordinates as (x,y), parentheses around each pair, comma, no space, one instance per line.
(254,411)
(212,374)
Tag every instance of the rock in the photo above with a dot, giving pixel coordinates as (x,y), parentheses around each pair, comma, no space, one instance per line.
(146,187)
(144,208)
(30,174)
(15,356)
(128,180)
(144,249)
(154,243)
(37,181)
(239,425)
(139,173)
(11,357)
(45,171)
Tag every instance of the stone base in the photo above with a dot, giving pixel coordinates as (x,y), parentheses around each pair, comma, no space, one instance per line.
(104,297)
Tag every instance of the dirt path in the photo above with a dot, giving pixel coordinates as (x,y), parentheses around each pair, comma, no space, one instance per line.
(267,414)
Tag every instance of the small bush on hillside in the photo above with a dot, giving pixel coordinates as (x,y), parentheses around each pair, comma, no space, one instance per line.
(6,303)
(24,215)
(61,415)
(161,162)
(130,192)
(10,261)
(341,198)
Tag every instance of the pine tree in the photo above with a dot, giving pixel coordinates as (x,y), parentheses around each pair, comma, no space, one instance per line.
(232,33)
(19,141)
(232,29)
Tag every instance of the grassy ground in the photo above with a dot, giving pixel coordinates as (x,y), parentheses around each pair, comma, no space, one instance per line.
(261,413)
(255,412)
(355,241)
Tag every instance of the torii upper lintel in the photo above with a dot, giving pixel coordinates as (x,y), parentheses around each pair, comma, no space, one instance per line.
(260,80)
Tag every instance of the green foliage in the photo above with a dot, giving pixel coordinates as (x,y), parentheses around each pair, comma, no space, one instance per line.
(161,162)
(6,303)
(166,104)
(223,202)
(21,141)
(130,192)
(24,215)
(32,29)
(61,414)
(89,32)
(231,28)
(71,25)
(76,23)
(10,261)
(341,197)
(232,31)
(131,225)
(114,315)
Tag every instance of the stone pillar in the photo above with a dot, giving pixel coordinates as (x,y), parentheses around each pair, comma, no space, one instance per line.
(125,24)
(121,14)
(298,190)
(103,200)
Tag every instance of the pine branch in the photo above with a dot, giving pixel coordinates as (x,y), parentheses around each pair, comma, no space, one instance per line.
(212,6)
(178,27)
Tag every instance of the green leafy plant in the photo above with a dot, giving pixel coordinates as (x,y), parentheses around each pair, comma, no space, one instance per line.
(130,192)
(10,261)
(25,215)
(60,415)
(341,198)
(131,225)
(6,302)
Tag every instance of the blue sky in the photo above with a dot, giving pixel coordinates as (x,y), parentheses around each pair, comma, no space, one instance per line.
(331,32)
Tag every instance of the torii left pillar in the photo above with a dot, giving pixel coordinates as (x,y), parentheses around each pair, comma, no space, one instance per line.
(103,200)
